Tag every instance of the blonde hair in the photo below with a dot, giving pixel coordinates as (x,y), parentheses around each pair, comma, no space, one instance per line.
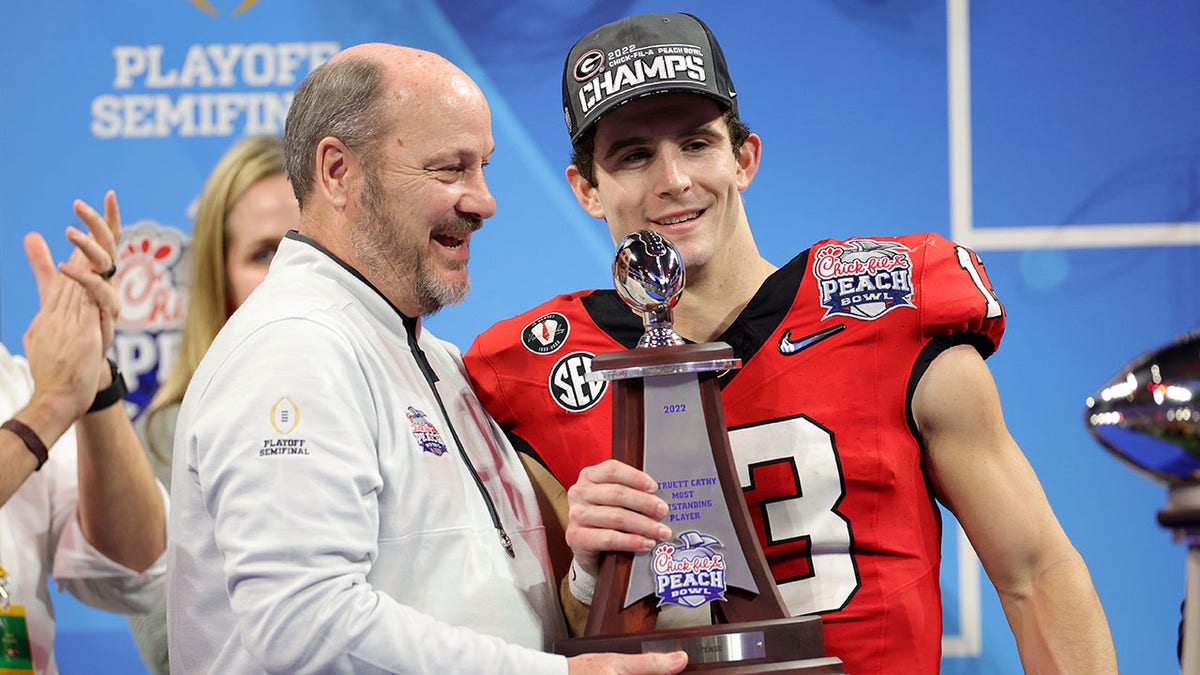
(247,162)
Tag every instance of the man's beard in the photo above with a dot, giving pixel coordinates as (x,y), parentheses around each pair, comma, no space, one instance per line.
(379,241)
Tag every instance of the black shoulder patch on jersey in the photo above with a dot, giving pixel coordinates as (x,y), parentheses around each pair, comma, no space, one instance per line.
(545,334)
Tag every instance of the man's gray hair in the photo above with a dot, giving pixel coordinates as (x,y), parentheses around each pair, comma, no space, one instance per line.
(341,99)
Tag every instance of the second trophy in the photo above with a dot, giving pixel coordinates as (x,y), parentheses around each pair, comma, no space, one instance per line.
(668,420)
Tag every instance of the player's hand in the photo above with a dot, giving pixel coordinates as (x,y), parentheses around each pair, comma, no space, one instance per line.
(627,664)
(613,507)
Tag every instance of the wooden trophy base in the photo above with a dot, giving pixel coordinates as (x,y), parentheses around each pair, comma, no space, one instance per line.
(792,645)
(667,402)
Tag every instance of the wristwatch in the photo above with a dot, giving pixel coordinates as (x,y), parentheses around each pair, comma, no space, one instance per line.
(113,392)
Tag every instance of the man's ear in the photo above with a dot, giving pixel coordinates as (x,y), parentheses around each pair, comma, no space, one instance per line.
(585,192)
(748,159)
(334,165)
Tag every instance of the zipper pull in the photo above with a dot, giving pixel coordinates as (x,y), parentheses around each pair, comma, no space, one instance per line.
(506,542)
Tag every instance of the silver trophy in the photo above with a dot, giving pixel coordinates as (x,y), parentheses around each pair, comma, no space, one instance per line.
(648,275)
(1148,415)
(668,420)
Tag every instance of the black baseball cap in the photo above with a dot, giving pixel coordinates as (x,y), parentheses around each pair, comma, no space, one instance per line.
(641,56)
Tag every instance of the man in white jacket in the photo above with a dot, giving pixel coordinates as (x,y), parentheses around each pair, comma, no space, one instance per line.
(78,499)
(342,501)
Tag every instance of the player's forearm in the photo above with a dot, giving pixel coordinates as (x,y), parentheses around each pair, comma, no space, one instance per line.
(121,510)
(1059,623)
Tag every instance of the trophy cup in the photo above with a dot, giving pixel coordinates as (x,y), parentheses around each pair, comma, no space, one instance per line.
(1148,415)
(668,420)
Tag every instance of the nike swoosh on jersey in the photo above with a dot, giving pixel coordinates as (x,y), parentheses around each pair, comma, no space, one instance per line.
(789,348)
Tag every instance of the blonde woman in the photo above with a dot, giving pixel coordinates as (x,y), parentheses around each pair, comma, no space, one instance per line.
(246,207)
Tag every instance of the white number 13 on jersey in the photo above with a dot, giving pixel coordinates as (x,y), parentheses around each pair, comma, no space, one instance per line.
(793,483)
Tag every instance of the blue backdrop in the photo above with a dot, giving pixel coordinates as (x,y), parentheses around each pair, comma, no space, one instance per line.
(1058,139)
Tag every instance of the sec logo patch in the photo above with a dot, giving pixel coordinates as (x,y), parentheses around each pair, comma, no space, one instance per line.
(546,334)
(569,386)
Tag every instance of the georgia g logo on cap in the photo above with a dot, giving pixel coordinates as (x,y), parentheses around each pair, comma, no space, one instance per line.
(588,65)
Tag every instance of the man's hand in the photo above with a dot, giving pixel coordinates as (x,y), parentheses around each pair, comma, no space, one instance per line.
(613,507)
(627,664)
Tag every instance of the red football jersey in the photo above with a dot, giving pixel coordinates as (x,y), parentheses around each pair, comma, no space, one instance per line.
(832,347)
